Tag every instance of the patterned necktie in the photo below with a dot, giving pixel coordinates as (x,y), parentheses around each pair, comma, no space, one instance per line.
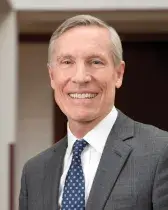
(74,188)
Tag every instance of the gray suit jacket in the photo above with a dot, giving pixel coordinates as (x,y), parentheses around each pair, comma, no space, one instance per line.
(132,174)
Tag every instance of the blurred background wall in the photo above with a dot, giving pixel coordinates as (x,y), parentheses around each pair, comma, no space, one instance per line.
(8,96)
(35,121)
(94,4)
(30,121)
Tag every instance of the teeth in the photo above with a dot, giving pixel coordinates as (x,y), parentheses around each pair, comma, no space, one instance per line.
(82,95)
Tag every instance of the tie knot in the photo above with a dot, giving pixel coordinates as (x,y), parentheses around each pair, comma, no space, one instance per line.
(79,146)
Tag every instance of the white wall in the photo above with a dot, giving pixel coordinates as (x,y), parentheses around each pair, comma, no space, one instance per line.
(88,4)
(8,98)
(35,127)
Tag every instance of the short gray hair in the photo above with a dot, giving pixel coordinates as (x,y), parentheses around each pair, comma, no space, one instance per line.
(88,20)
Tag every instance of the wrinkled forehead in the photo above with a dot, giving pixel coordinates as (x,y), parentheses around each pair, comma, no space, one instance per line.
(82,41)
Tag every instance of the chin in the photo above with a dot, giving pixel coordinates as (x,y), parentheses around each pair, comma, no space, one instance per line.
(79,117)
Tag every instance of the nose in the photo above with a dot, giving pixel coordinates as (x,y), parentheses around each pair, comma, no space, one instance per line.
(81,75)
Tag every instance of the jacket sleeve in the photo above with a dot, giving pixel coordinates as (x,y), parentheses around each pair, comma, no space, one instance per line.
(160,187)
(23,197)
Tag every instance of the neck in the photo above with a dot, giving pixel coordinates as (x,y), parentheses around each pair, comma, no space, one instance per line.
(81,128)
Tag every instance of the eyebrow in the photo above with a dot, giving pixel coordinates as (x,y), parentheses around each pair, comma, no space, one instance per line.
(94,55)
(67,56)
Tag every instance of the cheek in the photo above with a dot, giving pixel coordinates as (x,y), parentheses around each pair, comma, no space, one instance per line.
(108,82)
(108,87)
(60,82)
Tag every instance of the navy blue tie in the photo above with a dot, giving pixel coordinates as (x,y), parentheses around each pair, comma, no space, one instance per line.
(74,188)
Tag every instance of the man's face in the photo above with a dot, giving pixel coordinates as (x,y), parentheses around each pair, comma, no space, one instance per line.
(83,75)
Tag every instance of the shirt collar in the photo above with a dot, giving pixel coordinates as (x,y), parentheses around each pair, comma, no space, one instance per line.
(98,135)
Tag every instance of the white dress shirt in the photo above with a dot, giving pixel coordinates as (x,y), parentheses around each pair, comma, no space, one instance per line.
(91,155)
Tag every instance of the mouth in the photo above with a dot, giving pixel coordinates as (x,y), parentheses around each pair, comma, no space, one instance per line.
(83,95)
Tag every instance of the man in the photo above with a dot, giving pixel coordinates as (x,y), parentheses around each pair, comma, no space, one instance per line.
(107,161)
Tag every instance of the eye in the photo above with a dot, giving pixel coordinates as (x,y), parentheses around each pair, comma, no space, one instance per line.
(96,62)
(66,62)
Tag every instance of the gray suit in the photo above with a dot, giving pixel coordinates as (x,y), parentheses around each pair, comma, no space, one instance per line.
(132,174)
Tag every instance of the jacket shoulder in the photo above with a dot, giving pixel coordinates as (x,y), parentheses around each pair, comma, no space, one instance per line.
(150,130)
(150,136)
(37,162)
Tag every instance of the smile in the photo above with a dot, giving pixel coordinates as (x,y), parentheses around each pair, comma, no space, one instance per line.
(83,95)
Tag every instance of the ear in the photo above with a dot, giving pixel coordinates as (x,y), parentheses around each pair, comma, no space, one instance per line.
(120,69)
(51,75)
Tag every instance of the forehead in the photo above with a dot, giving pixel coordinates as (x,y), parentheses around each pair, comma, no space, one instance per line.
(83,40)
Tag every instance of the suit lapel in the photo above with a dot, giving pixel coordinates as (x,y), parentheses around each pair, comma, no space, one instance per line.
(115,155)
(52,174)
